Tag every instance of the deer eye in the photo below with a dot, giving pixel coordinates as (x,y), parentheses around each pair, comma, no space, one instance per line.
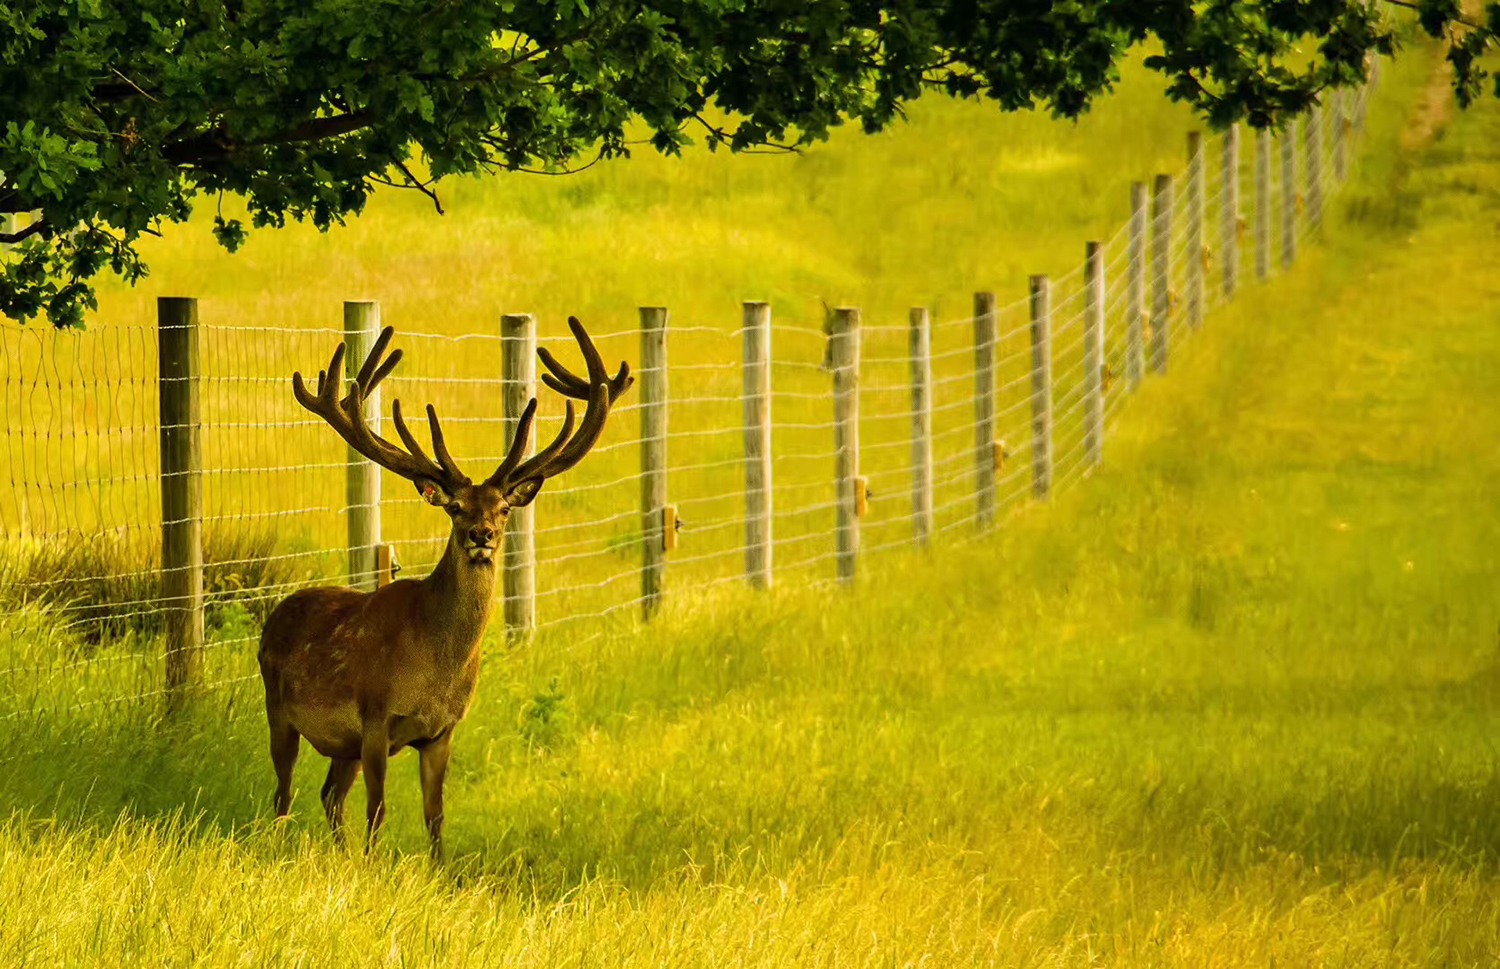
(452,508)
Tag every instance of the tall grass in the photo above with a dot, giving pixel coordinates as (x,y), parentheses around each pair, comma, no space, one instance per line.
(99,589)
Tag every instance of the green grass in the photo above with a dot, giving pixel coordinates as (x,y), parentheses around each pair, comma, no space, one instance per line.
(1233,702)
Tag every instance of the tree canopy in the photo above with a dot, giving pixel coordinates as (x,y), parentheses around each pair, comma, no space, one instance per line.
(115,115)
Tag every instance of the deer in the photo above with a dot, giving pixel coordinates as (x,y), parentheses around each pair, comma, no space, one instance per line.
(362,675)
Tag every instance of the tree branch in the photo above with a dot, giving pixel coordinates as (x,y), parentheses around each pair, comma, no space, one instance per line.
(421,186)
(723,137)
(563,171)
(11,238)
(206,148)
(141,91)
(316,129)
(1410,5)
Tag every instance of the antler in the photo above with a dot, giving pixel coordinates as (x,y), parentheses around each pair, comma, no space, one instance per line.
(347,418)
(567,449)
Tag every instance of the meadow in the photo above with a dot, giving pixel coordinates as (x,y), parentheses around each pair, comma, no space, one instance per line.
(79,526)
(1231,701)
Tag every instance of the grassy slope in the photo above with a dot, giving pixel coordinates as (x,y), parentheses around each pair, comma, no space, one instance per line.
(1233,701)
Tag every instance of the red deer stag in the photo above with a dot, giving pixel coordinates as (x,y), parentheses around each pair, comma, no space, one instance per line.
(363,674)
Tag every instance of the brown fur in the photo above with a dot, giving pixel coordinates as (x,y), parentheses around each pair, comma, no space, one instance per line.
(362,675)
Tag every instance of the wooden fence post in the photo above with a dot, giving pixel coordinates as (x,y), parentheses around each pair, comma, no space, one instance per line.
(1341,125)
(1135,289)
(386,565)
(986,336)
(1314,147)
(1197,254)
(1041,389)
(1229,213)
(843,342)
(1161,272)
(1291,199)
(1363,92)
(1093,352)
(181,494)
(757,398)
(518,386)
(920,346)
(653,457)
(362,477)
(1262,204)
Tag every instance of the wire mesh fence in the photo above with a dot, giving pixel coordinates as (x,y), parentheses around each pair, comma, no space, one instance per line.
(81,502)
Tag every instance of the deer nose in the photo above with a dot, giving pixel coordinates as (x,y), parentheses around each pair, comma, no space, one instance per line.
(481,534)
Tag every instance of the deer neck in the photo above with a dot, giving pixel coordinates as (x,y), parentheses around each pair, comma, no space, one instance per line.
(458,597)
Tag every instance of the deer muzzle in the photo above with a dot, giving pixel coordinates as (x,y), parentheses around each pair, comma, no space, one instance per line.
(480,543)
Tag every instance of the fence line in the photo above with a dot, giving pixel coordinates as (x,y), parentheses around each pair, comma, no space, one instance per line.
(873,436)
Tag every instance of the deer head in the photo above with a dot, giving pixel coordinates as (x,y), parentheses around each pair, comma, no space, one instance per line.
(478,511)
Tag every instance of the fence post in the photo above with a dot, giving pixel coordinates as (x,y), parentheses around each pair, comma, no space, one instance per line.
(1135,289)
(1314,147)
(1340,130)
(1363,92)
(1041,390)
(1197,254)
(920,347)
(181,493)
(1093,353)
(1229,214)
(757,398)
(653,457)
(518,386)
(1291,199)
(843,344)
(986,335)
(1161,272)
(1262,204)
(362,476)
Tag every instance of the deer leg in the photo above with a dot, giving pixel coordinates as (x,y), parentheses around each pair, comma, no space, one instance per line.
(341,775)
(434,770)
(373,755)
(285,740)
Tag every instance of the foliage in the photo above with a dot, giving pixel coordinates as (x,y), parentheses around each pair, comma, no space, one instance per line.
(544,721)
(117,115)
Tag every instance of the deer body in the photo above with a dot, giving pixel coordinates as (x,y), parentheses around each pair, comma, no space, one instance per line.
(362,675)
(408,652)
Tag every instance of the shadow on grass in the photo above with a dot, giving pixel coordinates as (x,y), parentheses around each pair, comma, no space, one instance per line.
(545,825)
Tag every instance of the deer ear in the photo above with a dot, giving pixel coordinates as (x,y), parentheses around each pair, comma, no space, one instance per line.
(520,494)
(432,492)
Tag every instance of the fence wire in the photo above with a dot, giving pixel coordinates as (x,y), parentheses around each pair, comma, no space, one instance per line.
(80,488)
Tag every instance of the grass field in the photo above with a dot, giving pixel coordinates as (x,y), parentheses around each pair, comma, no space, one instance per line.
(960,199)
(1231,703)
(967,199)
